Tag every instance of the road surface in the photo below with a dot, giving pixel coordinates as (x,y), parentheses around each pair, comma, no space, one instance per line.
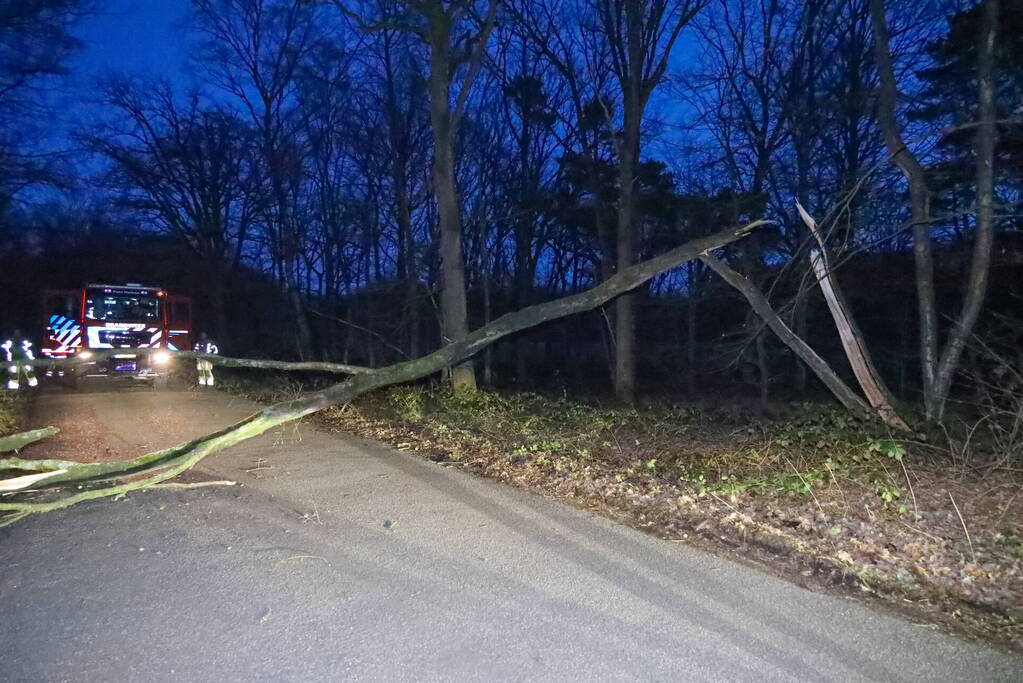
(340,559)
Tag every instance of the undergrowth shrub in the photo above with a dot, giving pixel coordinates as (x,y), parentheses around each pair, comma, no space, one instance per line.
(679,445)
(11,406)
(407,402)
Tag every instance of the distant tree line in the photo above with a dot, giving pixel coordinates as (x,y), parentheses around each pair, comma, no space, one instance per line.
(365,180)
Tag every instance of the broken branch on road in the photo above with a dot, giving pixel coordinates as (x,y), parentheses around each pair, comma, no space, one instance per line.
(225,361)
(87,481)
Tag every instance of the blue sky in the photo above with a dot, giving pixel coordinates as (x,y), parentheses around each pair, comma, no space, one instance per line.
(141,36)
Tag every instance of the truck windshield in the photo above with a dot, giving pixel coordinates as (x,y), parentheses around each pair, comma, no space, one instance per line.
(122,307)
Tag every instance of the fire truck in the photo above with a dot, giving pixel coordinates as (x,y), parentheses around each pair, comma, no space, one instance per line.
(121,317)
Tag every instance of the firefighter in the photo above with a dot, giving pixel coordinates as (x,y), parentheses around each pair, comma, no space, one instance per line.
(205,367)
(19,373)
(10,369)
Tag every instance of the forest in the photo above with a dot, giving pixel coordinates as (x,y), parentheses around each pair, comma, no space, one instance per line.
(368,182)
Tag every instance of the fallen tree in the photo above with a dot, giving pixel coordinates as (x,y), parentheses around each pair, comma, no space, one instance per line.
(62,483)
(762,307)
(226,361)
(879,401)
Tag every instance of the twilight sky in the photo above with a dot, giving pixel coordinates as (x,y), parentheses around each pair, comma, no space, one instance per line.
(142,37)
(135,35)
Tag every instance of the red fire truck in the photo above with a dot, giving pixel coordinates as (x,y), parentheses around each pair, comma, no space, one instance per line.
(130,316)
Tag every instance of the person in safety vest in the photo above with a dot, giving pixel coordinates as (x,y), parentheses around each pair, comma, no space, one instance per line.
(205,367)
(18,373)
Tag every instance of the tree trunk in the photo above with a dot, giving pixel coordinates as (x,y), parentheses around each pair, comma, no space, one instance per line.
(218,302)
(454,309)
(763,371)
(406,257)
(980,265)
(628,157)
(691,310)
(523,293)
(488,353)
(800,315)
(920,206)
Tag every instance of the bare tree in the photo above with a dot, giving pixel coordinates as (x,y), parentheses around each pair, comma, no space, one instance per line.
(938,367)
(252,51)
(641,35)
(456,36)
(36,39)
(189,169)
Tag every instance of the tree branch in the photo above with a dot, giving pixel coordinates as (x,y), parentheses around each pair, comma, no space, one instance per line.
(225,361)
(820,367)
(87,481)
(475,62)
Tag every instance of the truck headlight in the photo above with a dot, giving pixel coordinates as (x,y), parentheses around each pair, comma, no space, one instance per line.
(85,355)
(161,358)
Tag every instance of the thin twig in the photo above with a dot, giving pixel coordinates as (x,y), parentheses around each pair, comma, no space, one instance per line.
(193,485)
(916,507)
(963,522)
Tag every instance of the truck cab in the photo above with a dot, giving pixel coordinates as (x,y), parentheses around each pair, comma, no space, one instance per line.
(122,318)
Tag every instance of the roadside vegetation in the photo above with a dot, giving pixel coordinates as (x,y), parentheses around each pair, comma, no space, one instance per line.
(12,412)
(929,525)
(813,492)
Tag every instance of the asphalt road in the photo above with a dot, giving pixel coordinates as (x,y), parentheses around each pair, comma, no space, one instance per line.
(342,559)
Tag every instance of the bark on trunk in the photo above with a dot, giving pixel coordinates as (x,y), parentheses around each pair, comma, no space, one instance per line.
(454,309)
(920,203)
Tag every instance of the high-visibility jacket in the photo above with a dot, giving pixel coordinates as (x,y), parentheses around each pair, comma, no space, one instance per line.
(206,347)
(14,352)
(15,368)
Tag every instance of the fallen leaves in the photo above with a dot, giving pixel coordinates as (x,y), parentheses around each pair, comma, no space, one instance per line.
(841,529)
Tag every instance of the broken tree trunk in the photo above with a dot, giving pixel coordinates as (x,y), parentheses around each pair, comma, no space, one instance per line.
(863,368)
(87,481)
(845,395)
